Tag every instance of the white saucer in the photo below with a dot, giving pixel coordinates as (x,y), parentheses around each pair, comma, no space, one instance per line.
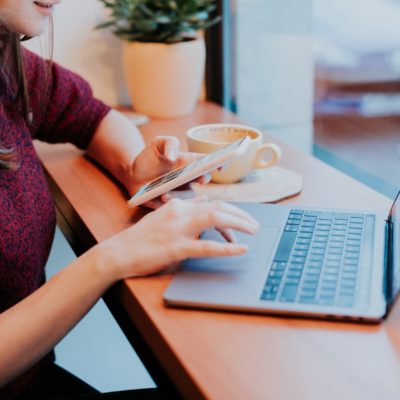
(260,186)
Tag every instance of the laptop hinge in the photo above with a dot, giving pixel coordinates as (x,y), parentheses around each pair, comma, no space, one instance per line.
(388,265)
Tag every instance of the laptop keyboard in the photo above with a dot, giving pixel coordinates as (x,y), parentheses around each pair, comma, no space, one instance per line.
(319,259)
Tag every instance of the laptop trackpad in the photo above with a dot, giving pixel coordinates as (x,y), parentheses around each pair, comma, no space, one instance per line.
(226,280)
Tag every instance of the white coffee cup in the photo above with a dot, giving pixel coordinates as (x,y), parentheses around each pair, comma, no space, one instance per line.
(208,138)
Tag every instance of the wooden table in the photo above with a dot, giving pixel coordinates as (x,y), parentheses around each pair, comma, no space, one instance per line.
(219,355)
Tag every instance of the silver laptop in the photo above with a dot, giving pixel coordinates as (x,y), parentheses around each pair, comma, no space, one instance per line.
(323,263)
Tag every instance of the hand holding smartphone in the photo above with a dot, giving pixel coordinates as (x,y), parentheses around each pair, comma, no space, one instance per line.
(188,173)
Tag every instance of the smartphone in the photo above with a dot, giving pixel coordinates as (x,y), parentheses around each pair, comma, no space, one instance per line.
(189,172)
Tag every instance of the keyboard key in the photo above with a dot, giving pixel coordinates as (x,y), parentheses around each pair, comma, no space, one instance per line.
(329,278)
(322,234)
(296,267)
(285,246)
(333,257)
(305,235)
(291,228)
(299,253)
(341,216)
(350,268)
(310,219)
(353,242)
(303,241)
(332,264)
(308,213)
(289,292)
(268,296)
(301,247)
(337,239)
(325,301)
(292,280)
(319,245)
(350,261)
(324,224)
(328,285)
(273,281)
(294,274)
(307,299)
(356,215)
(336,245)
(351,256)
(276,274)
(314,271)
(314,264)
(331,271)
(339,225)
(349,275)
(355,231)
(316,257)
(306,229)
(320,239)
(278,266)
(311,277)
(310,286)
(352,236)
(343,292)
(317,251)
(308,224)
(327,292)
(298,260)
(352,249)
(271,289)
(296,212)
(336,229)
(325,215)
(335,250)
(339,234)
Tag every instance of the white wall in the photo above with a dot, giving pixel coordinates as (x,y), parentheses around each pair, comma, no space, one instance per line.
(94,54)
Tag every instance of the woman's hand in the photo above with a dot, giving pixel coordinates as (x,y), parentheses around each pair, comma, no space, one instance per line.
(160,156)
(171,234)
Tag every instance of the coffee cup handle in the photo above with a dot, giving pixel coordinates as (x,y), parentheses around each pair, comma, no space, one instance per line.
(272,148)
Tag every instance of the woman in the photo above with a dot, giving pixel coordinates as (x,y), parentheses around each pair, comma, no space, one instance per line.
(43,101)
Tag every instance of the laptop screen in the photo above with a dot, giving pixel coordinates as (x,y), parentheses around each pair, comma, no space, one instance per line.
(394,218)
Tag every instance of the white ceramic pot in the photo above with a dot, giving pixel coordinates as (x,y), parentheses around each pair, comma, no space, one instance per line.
(164,80)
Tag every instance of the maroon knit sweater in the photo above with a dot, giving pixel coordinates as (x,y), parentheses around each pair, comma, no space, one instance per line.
(64,110)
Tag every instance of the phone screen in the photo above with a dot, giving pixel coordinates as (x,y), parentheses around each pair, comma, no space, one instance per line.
(187,168)
(205,164)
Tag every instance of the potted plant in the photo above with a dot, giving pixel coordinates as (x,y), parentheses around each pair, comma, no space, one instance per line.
(163,54)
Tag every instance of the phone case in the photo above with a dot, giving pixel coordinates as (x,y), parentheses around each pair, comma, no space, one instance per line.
(188,173)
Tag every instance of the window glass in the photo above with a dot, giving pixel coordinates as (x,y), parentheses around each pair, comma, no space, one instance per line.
(323,76)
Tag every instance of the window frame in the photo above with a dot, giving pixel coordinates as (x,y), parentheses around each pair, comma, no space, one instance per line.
(220,82)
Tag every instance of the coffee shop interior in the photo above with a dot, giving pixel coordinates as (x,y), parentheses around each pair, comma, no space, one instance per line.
(322,76)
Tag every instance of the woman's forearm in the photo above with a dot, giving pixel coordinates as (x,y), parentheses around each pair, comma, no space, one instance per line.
(115,145)
(30,329)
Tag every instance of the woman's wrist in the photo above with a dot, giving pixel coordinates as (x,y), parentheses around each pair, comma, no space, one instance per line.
(130,177)
(101,260)
(133,179)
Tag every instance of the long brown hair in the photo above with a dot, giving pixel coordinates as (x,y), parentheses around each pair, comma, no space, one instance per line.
(13,75)
(12,72)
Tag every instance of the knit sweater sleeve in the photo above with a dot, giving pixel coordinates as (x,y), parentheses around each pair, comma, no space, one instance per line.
(62,103)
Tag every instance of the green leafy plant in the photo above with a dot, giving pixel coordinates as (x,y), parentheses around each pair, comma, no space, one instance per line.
(159,21)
